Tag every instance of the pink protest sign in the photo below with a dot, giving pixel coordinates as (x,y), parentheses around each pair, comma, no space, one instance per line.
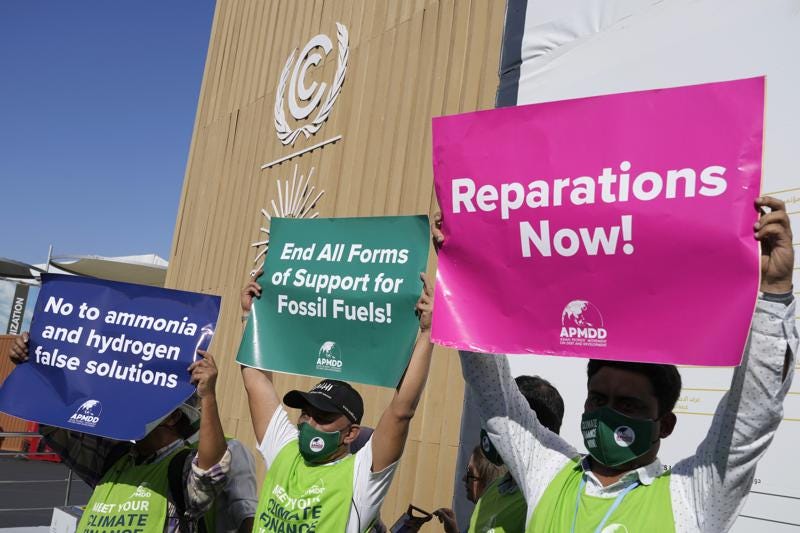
(616,227)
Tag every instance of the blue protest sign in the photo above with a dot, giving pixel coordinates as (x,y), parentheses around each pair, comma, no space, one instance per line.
(107,358)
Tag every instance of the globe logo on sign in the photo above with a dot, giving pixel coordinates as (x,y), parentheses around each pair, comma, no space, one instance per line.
(88,414)
(90,407)
(581,313)
(329,357)
(330,350)
(582,325)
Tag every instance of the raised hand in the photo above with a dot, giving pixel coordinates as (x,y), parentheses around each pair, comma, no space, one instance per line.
(436,231)
(424,307)
(777,254)
(204,374)
(448,519)
(250,291)
(18,353)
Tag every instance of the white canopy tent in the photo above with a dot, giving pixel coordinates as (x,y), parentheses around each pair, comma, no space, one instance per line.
(148,269)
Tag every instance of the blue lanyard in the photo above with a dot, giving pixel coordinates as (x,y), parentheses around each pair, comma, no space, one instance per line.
(617,501)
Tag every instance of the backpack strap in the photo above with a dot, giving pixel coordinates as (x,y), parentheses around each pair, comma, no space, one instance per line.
(176,489)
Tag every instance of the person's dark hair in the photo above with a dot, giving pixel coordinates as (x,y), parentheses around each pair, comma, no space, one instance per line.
(665,379)
(544,399)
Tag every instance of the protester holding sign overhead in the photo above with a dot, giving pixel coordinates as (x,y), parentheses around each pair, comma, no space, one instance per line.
(109,362)
(334,297)
(628,411)
(556,205)
(158,484)
(99,347)
(312,463)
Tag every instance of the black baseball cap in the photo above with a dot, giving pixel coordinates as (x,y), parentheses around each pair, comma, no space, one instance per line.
(331,396)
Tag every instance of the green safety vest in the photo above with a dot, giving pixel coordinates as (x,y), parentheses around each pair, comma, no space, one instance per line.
(499,512)
(129,499)
(645,508)
(298,497)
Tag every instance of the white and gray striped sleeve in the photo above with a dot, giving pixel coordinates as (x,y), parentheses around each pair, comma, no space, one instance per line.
(709,488)
(533,453)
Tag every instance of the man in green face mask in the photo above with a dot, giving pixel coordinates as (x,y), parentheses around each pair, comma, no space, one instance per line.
(313,482)
(621,485)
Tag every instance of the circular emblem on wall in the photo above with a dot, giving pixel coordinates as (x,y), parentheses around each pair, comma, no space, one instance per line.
(303,99)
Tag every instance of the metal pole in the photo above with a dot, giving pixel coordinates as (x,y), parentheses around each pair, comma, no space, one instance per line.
(25,454)
(69,486)
(49,256)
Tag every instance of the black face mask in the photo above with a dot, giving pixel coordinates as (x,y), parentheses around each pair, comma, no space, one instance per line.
(489,450)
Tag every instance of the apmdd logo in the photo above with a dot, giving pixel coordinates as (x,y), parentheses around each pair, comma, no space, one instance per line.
(624,436)
(329,357)
(142,491)
(582,325)
(316,444)
(88,414)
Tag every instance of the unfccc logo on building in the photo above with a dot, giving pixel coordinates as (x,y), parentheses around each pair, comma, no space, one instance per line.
(582,325)
(303,98)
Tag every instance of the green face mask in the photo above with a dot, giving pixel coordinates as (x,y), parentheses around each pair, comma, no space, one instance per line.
(613,439)
(489,450)
(316,445)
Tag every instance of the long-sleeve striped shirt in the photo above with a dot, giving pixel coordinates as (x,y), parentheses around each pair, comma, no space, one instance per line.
(708,488)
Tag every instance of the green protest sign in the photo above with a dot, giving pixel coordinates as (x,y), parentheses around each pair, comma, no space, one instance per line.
(338,298)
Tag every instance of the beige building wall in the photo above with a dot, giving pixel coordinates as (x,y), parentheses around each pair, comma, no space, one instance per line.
(408,61)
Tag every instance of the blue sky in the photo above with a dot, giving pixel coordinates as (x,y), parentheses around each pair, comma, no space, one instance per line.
(97,106)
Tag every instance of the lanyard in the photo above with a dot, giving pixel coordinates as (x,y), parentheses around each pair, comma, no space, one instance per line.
(617,501)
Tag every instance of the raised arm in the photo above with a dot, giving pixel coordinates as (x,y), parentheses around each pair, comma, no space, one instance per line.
(716,480)
(390,435)
(533,454)
(210,468)
(211,446)
(261,394)
(261,397)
